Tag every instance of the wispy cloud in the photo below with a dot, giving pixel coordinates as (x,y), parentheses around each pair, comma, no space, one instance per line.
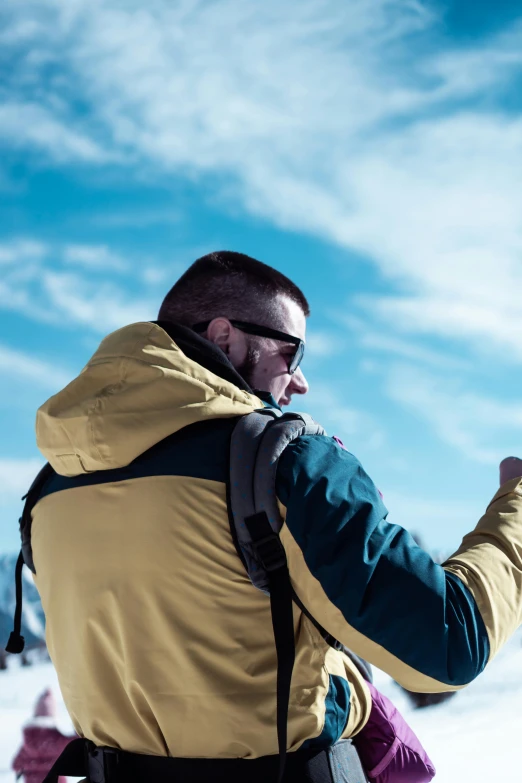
(22,251)
(316,120)
(34,126)
(101,307)
(439,523)
(94,257)
(492,326)
(30,368)
(407,349)
(323,344)
(358,429)
(132,218)
(482,428)
(16,476)
(391,346)
(37,281)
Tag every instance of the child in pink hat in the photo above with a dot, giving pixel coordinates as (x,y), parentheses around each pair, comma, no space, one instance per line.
(42,742)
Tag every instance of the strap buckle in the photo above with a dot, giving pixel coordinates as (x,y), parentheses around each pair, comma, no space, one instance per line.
(271,552)
(102,763)
(266,542)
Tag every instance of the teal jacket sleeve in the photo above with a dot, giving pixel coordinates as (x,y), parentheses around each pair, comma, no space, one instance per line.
(366,581)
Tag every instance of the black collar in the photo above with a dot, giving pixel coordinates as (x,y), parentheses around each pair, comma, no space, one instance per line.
(202,351)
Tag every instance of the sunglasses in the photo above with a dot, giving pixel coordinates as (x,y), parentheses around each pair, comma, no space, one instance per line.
(264,331)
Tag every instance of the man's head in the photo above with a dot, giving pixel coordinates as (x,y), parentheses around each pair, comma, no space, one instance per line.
(223,287)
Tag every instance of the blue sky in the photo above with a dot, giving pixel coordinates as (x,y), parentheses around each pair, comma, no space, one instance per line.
(371,150)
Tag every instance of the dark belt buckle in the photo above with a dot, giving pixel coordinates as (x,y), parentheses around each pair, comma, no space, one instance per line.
(102,764)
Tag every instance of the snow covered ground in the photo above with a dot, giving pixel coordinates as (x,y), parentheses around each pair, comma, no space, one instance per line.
(474,738)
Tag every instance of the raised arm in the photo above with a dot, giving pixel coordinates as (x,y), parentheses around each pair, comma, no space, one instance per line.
(431,627)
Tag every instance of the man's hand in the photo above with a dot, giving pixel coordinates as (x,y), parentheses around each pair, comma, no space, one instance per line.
(510,468)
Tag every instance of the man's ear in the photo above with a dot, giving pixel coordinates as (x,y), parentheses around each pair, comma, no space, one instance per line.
(219,332)
(232,341)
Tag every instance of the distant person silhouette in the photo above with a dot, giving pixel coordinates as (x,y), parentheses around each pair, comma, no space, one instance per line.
(42,742)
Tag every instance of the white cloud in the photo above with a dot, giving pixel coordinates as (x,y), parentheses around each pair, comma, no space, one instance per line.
(317,121)
(43,291)
(493,328)
(101,307)
(30,368)
(482,428)
(32,125)
(439,523)
(393,346)
(19,287)
(94,257)
(21,251)
(142,218)
(478,68)
(355,427)
(16,476)
(159,79)
(322,344)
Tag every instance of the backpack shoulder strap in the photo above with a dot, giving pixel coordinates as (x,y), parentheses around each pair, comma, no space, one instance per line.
(276,437)
(16,641)
(26,520)
(257,442)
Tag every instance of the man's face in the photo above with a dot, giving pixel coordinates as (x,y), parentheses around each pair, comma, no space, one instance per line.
(264,362)
(270,372)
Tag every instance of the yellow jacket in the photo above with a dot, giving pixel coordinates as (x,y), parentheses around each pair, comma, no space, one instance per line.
(161,643)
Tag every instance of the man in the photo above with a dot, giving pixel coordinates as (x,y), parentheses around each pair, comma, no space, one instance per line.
(162,645)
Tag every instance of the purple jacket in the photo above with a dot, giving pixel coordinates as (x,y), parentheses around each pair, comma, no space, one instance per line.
(42,745)
(389,750)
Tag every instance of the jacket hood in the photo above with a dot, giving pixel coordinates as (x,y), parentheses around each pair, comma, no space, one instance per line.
(138,388)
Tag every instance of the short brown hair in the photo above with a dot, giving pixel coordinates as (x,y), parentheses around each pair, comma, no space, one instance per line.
(231,285)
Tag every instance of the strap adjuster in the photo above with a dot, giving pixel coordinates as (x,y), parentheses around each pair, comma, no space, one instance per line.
(271,552)
(266,542)
(101,763)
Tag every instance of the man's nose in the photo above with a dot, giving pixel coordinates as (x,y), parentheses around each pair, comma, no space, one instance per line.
(299,384)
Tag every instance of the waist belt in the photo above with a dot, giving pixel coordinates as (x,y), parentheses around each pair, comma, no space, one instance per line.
(339,764)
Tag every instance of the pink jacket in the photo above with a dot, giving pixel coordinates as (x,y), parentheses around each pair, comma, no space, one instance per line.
(42,744)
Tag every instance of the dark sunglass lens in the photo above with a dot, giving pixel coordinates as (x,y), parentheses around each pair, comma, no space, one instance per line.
(297,359)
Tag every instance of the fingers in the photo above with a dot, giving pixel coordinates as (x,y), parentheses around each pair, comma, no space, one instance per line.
(510,468)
